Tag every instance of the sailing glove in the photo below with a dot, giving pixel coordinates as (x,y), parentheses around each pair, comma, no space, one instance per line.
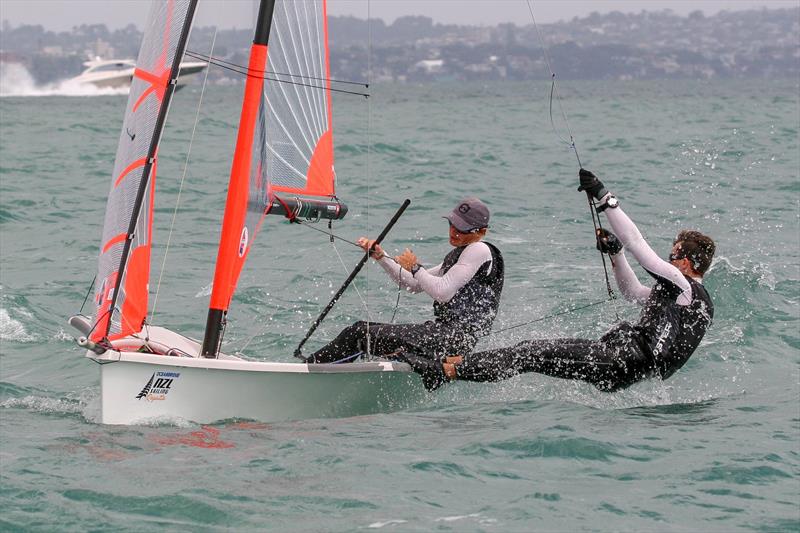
(607,242)
(589,183)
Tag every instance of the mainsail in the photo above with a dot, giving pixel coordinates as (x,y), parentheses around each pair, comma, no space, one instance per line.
(285,142)
(299,138)
(121,292)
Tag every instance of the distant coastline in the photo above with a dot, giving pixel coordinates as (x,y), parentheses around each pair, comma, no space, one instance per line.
(648,45)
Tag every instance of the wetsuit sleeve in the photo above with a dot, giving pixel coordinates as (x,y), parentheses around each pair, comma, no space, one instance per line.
(400,275)
(632,239)
(443,288)
(630,286)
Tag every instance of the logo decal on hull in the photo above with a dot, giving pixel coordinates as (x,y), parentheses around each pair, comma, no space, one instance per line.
(158,386)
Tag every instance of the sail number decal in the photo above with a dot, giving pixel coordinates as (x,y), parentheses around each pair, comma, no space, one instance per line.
(243,242)
(158,386)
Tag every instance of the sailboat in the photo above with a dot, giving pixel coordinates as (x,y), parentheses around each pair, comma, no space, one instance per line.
(283,162)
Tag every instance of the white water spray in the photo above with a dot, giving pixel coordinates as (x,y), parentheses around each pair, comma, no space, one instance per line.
(15,80)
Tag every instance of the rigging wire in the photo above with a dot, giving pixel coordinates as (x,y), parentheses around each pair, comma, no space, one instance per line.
(363,302)
(399,292)
(221,62)
(328,233)
(244,71)
(571,142)
(546,317)
(91,285)
(264,327)
(183,179)
(335,236)
(369,151)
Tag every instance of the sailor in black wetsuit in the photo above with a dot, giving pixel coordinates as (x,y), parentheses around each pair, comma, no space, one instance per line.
(465,288)
(676,313)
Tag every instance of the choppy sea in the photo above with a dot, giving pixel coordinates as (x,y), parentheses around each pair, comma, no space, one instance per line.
(714,448)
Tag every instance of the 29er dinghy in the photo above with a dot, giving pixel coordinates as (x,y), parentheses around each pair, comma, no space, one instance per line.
(284,148)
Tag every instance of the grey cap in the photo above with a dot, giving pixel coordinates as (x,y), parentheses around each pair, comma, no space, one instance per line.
(470,214)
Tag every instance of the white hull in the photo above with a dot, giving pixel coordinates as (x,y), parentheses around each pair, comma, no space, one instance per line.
(117,74)
(140,387)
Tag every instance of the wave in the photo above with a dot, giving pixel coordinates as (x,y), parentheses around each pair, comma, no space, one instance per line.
(15,80)
(85,403)
(44,404)
(747,291)
(13,330)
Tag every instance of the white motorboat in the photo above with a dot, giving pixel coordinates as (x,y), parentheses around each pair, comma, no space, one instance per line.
(118,73)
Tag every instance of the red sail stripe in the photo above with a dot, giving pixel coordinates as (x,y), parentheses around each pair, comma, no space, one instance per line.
(114,240)
(158,84)
(135,164)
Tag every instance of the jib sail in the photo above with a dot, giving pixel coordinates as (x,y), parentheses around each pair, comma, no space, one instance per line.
(121,290)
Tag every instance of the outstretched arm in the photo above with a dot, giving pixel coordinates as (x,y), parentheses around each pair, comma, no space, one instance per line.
(402,276)
(391,266)
(632,239)
(632,290)
(629,285)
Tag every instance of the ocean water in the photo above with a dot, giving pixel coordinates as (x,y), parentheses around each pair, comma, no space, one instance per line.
(714,448)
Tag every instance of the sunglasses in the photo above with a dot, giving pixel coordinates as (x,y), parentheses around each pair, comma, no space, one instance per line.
(476,230)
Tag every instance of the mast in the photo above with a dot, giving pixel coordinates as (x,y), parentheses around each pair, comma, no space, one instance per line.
(234,238)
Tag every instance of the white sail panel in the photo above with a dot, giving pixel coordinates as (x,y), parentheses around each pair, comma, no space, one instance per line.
(297,118)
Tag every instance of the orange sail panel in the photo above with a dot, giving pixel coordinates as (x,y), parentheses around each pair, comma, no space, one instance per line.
(320,177)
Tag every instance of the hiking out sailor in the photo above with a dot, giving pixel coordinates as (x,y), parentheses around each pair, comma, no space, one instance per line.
(465,287)
(676,312)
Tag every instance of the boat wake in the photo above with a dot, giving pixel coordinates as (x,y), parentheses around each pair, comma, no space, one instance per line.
(524,389)
(15,80)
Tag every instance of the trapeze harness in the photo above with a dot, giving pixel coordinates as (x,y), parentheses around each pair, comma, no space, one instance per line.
(676,313)
(466,289)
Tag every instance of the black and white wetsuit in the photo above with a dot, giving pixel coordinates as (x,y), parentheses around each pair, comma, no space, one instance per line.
(676,312)
(466,290)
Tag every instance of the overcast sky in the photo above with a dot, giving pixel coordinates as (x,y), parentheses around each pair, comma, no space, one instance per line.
(64,14)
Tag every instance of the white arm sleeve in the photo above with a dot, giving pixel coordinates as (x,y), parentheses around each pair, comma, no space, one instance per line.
(629,285)
(402,276)
(443,288)
(632,239)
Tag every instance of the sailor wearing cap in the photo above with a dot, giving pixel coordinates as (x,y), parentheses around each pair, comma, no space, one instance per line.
(465,288)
